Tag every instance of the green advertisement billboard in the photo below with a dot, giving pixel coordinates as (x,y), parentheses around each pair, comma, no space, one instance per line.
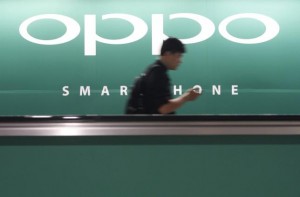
(81,57)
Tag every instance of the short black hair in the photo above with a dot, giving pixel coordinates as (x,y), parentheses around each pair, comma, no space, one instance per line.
(172,45)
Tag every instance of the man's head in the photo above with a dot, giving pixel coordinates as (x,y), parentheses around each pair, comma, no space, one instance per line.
(171,53)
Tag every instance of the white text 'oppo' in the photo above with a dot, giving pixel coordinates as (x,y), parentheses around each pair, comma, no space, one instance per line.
(140,29)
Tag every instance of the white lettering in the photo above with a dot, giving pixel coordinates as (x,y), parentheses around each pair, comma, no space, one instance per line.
(216,90)
(66,91)
(157,33)
(85,90)
(234,90)
(197,89)
(140,29)
(123,90)
(272,28)
(179,90)
(73,29)
(207,29)
(105,91)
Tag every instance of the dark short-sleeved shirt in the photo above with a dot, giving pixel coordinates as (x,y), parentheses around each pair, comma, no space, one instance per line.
(155,85)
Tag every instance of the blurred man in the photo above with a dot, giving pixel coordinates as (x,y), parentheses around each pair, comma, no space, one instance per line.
(151,93)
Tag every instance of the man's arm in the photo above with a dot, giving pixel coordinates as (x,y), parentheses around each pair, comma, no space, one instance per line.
(175,103)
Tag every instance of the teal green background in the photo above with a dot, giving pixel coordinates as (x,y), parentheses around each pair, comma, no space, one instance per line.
(175,166)
(32,76)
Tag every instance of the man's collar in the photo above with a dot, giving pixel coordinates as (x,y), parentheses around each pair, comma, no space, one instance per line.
(160,63)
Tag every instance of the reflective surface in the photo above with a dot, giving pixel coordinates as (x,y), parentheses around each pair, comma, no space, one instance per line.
(149,125)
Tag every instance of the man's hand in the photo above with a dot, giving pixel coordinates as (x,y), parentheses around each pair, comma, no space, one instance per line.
(173,104)
(191,95)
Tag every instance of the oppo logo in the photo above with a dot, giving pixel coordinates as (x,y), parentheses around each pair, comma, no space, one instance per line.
(140,29)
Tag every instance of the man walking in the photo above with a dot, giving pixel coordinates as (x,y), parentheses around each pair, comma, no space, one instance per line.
(151,92)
